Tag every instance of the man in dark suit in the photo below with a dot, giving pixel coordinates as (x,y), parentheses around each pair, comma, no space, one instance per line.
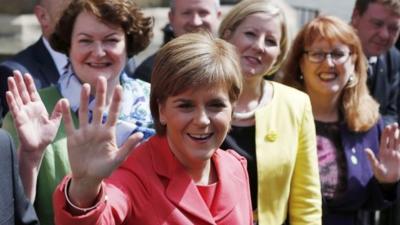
(39,59)
(14,206)
(185,16)
(378,24)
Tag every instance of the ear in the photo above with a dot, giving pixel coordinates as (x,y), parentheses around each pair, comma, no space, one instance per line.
(355,16)
(41,15)
(170,16)
(227,34)
(161,114)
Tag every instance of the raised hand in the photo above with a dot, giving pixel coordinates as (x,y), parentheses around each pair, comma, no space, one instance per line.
(387,168)
(92,149)
(35,128)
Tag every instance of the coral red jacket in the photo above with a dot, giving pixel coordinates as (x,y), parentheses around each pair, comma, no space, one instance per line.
(151,187)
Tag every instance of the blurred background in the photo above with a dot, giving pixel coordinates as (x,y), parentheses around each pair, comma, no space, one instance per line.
(19,27)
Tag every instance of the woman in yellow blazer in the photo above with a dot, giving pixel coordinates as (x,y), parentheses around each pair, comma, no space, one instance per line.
(273,126)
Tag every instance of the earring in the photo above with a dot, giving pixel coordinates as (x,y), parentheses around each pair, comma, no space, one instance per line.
(301,77)
(163,123)
(351,78)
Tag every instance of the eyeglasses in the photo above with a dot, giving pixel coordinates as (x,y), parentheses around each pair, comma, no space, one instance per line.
(337,56)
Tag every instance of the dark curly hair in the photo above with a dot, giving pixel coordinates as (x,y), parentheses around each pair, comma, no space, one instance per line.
(124,13)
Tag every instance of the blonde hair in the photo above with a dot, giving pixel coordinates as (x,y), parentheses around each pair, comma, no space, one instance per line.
(191,62)
(360,110)
(247,7)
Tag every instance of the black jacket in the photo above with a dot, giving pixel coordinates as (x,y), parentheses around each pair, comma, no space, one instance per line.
(383,84)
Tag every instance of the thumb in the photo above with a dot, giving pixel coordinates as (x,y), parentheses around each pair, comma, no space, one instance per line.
(56,115)
(131,143)
(378,170)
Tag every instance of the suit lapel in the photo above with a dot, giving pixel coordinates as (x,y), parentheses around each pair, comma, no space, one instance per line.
(47,67)
(230,185)
(180,189)
(381,79)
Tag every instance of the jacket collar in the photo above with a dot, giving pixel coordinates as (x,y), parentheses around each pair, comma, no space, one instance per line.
(181,189)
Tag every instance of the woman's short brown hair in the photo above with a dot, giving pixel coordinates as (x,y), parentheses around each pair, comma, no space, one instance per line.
(123,13)
(359,109)
(190,62)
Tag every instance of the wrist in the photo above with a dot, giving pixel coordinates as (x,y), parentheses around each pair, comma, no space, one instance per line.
(31,157)
(77,208)
(82,192)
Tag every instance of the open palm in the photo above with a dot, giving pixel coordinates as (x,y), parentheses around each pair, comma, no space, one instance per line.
(387,168)
(35,128)
(92,148)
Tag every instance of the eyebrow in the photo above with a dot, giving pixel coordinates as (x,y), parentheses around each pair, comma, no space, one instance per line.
(89,35)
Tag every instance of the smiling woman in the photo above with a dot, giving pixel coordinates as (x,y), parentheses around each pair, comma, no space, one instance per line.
(181,170)
(98,36)
(272,124)
(327,62)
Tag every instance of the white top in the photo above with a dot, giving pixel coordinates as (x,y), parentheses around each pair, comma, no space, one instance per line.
(59,59)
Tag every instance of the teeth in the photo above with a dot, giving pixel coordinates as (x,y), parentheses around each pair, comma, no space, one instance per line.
(200,136)
(327,76)
(253,59)
(99,64)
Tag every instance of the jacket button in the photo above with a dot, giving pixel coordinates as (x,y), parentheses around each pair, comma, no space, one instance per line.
(271,136)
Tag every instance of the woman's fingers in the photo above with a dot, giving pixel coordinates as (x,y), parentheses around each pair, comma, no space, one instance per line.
(130,144)
(83,107)
(66,114)
(100,100)
(12,88)
(114,106)
(56,115)
(12,104)
(30,85)
(377,168)
(21,86)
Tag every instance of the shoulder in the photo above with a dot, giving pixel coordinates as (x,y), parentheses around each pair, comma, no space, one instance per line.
(394,52)
(288,93)
(148,62)
(137,86)
(23,61)
(143,71)
(231,156)
(289,98)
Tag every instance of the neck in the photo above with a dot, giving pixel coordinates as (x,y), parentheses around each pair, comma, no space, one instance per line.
(204,174)
(250,96)
(325,109)
(201,171)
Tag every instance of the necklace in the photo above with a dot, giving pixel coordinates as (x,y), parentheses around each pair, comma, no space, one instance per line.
(251,114)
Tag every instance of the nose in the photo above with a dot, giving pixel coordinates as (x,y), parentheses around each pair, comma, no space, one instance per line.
(99,50)
(201,117)
(384,32)
(196,20)
(259,44)
(329,60)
